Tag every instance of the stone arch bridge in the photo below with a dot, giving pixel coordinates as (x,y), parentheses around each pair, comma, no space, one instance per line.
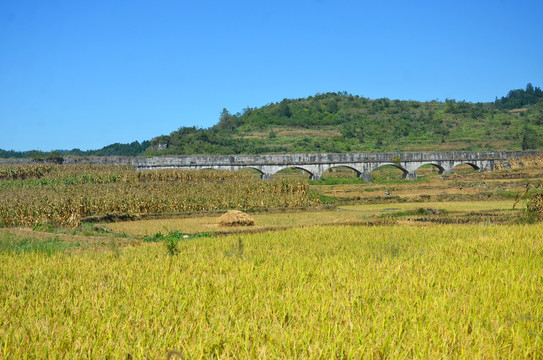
(317,164)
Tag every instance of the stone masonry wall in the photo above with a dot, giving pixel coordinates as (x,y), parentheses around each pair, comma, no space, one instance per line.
(229,160)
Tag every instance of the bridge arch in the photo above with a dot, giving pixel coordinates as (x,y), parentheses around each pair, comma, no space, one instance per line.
(405,172)
(473,165)
(299,167)
(251,168)
(440,168)
(335,166)
(254,170)
(397,166)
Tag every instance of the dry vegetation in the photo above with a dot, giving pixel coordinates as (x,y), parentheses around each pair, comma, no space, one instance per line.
(235,218)
(525,161)
(367,214)
(64,195)
(465,184)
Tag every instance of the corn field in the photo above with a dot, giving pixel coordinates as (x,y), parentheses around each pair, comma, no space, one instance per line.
(63,195)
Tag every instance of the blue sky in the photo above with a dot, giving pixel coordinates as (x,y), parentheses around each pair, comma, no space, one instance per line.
(86,74)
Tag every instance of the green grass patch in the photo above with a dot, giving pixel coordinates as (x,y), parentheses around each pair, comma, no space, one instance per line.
(15,244)
(323,199)
(175,236)
(509,194)
(416,212)
(337,181)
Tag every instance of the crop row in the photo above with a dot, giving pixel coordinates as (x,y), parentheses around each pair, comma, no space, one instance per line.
(90,174)
(61,202)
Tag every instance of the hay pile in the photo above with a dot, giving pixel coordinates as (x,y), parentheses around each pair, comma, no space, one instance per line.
(235,218)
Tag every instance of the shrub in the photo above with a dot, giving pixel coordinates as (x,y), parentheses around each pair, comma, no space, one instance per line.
(533,202)
(170,242)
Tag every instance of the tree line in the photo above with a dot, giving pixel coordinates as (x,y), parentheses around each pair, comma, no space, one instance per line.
(131,149)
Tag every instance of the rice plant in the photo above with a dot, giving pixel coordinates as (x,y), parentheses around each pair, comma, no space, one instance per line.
(381,292)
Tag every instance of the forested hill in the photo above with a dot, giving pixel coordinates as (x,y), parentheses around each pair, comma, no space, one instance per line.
(341,122)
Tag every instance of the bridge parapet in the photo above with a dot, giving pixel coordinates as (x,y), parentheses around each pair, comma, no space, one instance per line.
(314,164)
(327,158)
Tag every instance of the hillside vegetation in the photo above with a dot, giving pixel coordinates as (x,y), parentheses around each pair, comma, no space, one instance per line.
(341,122)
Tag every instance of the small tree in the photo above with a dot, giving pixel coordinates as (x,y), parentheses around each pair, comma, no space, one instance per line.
(284,109)
(530,140)
(227,121)
(54,157)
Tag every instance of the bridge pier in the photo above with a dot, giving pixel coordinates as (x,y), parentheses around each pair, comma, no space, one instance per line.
(365,176)
(485,165)
(315,177)
(266,177)
(410,175)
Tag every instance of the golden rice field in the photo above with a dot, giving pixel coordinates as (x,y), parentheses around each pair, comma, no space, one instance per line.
(64,195)
(381,292)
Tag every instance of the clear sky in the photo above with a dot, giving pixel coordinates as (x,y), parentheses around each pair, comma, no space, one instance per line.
(86,74)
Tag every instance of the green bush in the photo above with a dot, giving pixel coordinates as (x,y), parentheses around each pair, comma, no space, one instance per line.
(170,242)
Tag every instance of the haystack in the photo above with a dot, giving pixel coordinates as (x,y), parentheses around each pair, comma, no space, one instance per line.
(235,218)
